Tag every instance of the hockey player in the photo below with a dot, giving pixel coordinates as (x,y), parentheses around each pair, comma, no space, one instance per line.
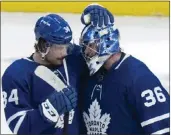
(121,96)
(39,91)
(35,93)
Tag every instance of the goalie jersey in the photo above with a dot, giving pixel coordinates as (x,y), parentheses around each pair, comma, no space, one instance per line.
(127,99)
(23,90)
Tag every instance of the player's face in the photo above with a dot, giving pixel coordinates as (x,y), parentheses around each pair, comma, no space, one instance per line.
(56,54)
(90,50)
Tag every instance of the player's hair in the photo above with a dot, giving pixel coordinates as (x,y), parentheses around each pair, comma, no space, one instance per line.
(121,49)
(40,45)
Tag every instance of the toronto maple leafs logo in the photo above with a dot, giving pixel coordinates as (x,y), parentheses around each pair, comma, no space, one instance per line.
(95,123)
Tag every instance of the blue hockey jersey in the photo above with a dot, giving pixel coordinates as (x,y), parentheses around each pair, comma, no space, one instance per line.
(23,91)
(127,99)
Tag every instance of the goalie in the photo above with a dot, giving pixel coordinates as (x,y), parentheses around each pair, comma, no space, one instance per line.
(122,96)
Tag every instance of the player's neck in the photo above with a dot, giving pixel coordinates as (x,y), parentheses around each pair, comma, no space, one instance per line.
(37,58)
(113,59)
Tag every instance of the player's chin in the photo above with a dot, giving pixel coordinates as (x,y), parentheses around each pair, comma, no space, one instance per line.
(57,62)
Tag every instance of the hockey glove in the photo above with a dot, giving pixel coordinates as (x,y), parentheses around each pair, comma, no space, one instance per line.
(57,104)
(97,15)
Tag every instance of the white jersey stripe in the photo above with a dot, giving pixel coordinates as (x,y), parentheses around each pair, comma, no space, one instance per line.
(163,131)
(156,119)
(10,119)
(66,71)
(17,126)
(125,57)
(14,116)
(28,59)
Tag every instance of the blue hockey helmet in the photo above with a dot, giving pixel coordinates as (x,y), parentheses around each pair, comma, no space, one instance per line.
(103,41)
(53,29)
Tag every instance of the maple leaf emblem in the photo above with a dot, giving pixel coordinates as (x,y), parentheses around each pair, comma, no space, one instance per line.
(95,123)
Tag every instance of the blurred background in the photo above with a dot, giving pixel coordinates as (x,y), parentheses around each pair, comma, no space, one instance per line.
(144,28)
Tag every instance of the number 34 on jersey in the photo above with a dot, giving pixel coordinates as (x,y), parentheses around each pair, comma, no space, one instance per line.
(13,97)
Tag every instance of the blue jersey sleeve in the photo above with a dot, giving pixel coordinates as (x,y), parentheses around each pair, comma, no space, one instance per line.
(151,103)
(21,117)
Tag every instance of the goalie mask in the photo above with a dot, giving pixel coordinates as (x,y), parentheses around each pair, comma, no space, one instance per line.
(98,44)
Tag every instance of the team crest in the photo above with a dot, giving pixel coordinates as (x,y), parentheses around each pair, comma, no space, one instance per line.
(95,122)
